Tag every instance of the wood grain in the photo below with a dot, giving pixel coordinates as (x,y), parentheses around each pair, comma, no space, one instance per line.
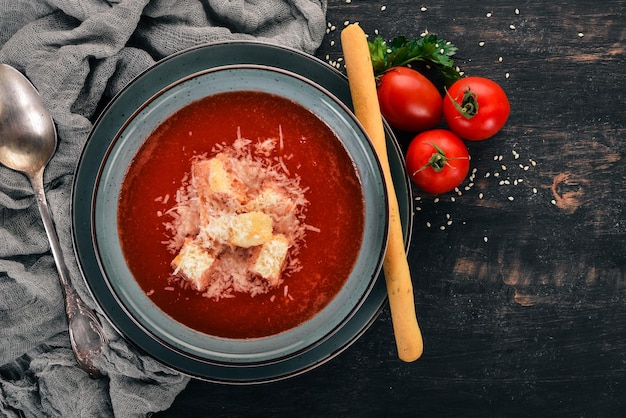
(522,298)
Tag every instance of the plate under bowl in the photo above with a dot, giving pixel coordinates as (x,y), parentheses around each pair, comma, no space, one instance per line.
(125,304)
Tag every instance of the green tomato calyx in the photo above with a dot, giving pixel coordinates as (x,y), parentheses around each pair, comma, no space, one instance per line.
(438,160)
(469,103)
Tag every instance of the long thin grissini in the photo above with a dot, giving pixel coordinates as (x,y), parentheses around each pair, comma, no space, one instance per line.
(395,266)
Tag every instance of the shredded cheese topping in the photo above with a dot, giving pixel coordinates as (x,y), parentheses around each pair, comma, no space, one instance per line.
(238,221)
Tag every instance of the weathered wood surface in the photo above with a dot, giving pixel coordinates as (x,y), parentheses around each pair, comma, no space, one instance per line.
(522,298)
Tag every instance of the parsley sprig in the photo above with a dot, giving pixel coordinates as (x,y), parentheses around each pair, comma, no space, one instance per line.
(435,52)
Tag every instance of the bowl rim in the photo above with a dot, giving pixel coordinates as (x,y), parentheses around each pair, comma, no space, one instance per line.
(296,340)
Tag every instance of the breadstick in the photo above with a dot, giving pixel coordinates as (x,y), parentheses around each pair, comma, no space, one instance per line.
(395,265)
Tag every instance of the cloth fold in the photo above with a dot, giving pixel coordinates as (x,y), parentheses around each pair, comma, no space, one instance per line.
(79,54)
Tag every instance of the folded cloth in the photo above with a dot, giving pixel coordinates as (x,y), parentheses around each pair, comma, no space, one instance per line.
(79,54)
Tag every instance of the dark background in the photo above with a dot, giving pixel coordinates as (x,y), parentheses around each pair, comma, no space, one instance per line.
(522,303)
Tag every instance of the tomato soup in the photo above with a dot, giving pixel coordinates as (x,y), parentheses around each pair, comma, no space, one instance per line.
(335,211)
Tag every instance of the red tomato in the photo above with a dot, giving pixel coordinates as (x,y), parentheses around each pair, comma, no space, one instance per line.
(437,161)
(408,100)
(476,108)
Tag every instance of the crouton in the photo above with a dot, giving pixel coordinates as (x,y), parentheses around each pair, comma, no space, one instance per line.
(212,178)
(193,263)
(250,229)
(270,259)
(271,199)
(217,229)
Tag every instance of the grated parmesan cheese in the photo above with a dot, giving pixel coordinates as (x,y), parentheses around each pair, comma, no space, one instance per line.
(238,221)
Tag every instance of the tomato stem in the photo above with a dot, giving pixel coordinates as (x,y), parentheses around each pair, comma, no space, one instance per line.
(438,160)
(469,103)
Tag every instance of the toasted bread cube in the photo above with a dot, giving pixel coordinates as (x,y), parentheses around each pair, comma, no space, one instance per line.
(212,177)
(220,180)
(271,199)
(251,229)
(194,263)
(218,229)
(271,258)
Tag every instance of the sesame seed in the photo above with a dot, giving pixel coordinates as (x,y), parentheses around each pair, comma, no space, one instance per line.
(512,27)
(480,195)
(383,8)
(452,199)
(489,14)
(516,11)
(423,9)
(332,43)
(534,190)
(346,23)
(481,43)
(348,1)
(428,225)
(511,198)
(485,239)
(553,202)
(503,167)
(449,223)
(436,200)
(499,59)
(506,75)
(442,227)
(580,34)
(447,216)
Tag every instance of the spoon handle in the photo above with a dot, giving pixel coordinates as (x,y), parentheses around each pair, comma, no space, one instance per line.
(86,334)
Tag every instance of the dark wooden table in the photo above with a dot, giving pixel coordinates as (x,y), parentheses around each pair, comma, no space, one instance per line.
(522,298)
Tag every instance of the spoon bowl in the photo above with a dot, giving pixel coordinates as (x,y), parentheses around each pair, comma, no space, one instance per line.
(28,140)
(23,150)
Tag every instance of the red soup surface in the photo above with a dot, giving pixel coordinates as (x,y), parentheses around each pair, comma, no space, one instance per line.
(326,172)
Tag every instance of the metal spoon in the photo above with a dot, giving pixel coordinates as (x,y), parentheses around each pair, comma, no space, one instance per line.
(27,142)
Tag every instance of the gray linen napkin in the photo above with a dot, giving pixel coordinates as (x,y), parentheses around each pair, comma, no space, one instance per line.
(79,54)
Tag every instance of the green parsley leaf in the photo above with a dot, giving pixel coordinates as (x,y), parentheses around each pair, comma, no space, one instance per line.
(429,49)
